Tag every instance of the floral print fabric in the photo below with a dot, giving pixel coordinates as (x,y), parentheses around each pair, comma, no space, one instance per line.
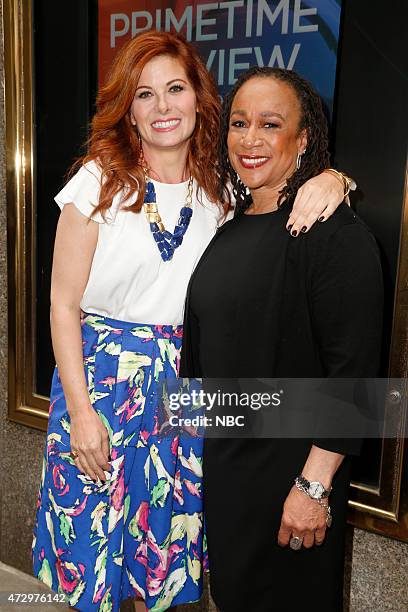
(139,534)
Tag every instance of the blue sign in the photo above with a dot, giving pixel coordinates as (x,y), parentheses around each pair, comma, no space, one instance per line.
(233,35)
(300,35)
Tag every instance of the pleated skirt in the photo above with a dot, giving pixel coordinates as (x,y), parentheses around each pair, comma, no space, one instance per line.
(139,534)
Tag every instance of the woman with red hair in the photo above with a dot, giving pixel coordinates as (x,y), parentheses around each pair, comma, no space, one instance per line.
(120,505)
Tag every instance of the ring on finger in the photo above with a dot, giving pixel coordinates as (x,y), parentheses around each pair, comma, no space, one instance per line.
(295,543)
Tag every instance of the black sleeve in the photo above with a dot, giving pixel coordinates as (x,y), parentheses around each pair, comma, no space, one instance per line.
(347,309)
(189,361)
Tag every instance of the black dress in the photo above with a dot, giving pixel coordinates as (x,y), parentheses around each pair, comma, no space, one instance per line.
(262,304)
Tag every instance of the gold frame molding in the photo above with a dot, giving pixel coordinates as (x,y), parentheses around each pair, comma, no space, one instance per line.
(25,406)
(383,509)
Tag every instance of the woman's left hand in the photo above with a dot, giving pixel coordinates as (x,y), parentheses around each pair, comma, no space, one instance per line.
(316,200)
(302,517)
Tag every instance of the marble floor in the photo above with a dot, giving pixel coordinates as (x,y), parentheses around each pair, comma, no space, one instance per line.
(14,581)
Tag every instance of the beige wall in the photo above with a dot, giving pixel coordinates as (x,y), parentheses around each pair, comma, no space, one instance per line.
(379,566)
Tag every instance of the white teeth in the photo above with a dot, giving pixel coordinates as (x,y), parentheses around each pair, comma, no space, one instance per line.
(254,161)
(165,124)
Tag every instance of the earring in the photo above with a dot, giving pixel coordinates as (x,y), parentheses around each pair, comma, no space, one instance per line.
(139,138)
(299,159)
(142,160)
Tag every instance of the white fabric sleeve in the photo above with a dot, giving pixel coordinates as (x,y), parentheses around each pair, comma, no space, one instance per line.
(82,190)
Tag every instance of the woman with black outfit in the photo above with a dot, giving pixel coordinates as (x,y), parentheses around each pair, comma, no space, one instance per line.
(262,307)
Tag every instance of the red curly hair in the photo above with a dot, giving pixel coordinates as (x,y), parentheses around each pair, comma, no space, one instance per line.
(114,144)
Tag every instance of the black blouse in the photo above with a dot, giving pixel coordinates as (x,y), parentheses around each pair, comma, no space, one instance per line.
(263,304)
(228,297)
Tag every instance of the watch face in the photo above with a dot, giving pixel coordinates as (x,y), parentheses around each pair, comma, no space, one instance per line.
(316,490)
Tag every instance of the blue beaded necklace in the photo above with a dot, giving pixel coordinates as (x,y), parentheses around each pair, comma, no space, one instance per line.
(166,241)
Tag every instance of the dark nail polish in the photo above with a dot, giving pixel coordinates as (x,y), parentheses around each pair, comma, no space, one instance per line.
(294,233)
(289,227)
(321,218)
(304,229)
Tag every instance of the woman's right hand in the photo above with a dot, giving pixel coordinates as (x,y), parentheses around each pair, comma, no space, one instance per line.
(90,441)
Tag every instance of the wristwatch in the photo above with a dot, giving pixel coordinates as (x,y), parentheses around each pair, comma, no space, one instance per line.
(313,489)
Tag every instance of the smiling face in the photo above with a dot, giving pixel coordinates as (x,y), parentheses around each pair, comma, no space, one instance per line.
(263,137)
(164,106)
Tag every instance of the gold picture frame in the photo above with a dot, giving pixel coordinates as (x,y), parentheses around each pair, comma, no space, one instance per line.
(25,406)
(383,509)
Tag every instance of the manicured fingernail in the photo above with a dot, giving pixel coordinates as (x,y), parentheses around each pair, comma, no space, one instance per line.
(321,218)
(289,227)
(294,233)
(304,229)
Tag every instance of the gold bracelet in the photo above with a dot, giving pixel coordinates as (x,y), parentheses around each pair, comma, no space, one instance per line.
(348,183)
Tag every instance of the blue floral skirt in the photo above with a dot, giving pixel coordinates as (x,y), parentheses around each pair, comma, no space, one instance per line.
(140,533)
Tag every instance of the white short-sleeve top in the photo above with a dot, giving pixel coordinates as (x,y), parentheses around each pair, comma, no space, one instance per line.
(129,280)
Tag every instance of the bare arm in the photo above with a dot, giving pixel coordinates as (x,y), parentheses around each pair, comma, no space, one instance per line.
(322,465)
(74,249)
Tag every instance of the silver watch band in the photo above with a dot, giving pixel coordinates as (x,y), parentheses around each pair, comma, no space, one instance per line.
(314,490)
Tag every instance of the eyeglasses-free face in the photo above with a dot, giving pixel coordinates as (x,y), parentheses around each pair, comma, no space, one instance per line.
(164,106)
(263,137)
